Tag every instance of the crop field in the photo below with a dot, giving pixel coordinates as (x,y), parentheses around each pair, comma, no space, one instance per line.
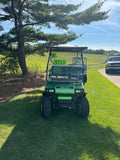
(25,135)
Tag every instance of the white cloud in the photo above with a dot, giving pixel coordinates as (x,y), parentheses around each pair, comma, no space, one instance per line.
(111,23)
(114,17)
(67,1)
(111,4)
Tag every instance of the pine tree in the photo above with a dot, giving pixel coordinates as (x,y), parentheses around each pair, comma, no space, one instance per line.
(29,14)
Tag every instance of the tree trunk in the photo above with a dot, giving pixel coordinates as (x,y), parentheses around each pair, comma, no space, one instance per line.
(20,35)
(21,55)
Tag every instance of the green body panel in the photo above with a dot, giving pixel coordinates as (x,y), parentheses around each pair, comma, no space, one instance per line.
(64,97)
(64,90)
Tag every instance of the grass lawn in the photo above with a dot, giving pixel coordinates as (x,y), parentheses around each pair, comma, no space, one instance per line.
(25,135)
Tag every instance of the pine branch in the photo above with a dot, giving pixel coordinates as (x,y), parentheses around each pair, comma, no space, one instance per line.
(31,24)
(23,2)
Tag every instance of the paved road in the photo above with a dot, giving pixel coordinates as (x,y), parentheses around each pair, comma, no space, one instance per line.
(115,78)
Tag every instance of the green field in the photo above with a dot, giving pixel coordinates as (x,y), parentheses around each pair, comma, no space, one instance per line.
(25,135)
(37,64)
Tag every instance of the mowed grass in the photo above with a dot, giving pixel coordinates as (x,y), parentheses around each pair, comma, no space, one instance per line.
(25,135)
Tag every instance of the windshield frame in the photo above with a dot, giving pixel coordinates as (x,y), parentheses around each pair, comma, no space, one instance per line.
(67,49)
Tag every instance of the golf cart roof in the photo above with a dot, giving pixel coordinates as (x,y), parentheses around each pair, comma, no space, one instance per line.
(66,48)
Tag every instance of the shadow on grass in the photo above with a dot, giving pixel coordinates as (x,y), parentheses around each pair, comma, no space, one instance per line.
(63,136)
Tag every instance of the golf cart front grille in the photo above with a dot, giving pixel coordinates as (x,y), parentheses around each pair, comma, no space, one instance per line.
(66,80)
(65,87)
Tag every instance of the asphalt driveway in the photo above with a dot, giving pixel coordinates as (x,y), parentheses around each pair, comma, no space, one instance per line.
(113,77)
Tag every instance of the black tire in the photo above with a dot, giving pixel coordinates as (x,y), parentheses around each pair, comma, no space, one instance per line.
(83,107)
(106,71)
(46,107)
(85,78)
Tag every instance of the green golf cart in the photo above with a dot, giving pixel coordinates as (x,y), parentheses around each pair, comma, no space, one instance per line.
(65,79)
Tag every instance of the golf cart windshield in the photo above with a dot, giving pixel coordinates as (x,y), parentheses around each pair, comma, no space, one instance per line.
(65,64)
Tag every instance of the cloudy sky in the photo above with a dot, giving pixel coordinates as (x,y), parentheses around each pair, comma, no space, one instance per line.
(102,34)
(98,35)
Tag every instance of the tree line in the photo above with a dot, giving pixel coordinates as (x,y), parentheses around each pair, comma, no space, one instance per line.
(102,52)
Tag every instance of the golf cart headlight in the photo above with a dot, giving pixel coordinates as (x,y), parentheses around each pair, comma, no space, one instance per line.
(79,91)
(50,90)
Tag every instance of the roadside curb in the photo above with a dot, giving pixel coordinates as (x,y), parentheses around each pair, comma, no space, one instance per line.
(113,78)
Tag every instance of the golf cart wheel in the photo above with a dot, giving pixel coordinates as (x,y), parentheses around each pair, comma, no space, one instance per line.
(85,78)
(46,107)
(83,107)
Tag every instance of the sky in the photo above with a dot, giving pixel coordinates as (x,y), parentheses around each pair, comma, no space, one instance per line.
(97,35)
